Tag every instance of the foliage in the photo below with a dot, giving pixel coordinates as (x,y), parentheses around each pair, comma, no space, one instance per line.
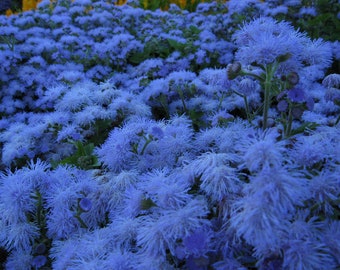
(83,158)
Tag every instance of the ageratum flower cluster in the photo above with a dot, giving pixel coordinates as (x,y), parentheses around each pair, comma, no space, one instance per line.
(136,139)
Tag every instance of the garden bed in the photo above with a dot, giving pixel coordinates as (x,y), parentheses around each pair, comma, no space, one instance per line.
(139,139)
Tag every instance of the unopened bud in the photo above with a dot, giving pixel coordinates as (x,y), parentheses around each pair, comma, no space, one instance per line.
(233,70)
(282,105)
(85,204)
(40,249)
(283,57)
(293,78)
(146,204)
(39,261)
(297,112)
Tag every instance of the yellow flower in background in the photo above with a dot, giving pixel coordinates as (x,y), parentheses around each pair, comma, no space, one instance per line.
(9,12)
(121,2)
(146,4)
(29,4)
(182,3)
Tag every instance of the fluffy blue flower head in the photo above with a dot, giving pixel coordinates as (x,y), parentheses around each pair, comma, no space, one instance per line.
(264,41)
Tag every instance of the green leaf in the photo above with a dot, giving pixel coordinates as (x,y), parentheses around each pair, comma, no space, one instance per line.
(146,204)
(303,127)
(137,57)
(178,46)
(83,157)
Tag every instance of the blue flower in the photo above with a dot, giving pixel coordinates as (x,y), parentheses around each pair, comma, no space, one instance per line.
(264,40)
(332,81)
(307,254)
(307,11)
(229,264)
(325,188)
(81,251)
(18,235)
(331,234)
(276,11)
(120,260)
(164,189)
(133,202)
(215,81)
(198,242)
(261,149)
(19,259)
(123,230)
(117,152)
(149,67)
(261,216)
(159,233)
(79,95)
(309,150)
(317,52)
(15,196)
(66,186)
(219,179)
(221,118)
(247,86)
(236,6)
(157,132)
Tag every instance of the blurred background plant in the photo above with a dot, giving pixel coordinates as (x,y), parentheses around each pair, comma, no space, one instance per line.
(10,6)
(318,18)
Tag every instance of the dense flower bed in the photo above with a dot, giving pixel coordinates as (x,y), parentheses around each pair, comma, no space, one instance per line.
(137,139)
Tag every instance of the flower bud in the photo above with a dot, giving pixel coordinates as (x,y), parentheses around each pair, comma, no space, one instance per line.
(283,57)
(39,261)
(233,70)
(40,248)
(146,204)
(282,106)
(85,204)
(281,95)
(293,78)
(297,112)
(296,95)
(157,132)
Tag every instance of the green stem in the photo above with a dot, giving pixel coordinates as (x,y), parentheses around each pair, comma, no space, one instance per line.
(284,123)
(257,77)
(220,102)
(266,104)
(247,108)
(270,70)
(82,223)
(337,120)
(147,142)
(245,104)
(181,95)
(289,122)
(163,101)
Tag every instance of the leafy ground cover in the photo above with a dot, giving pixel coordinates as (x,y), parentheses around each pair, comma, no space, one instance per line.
(139,139)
